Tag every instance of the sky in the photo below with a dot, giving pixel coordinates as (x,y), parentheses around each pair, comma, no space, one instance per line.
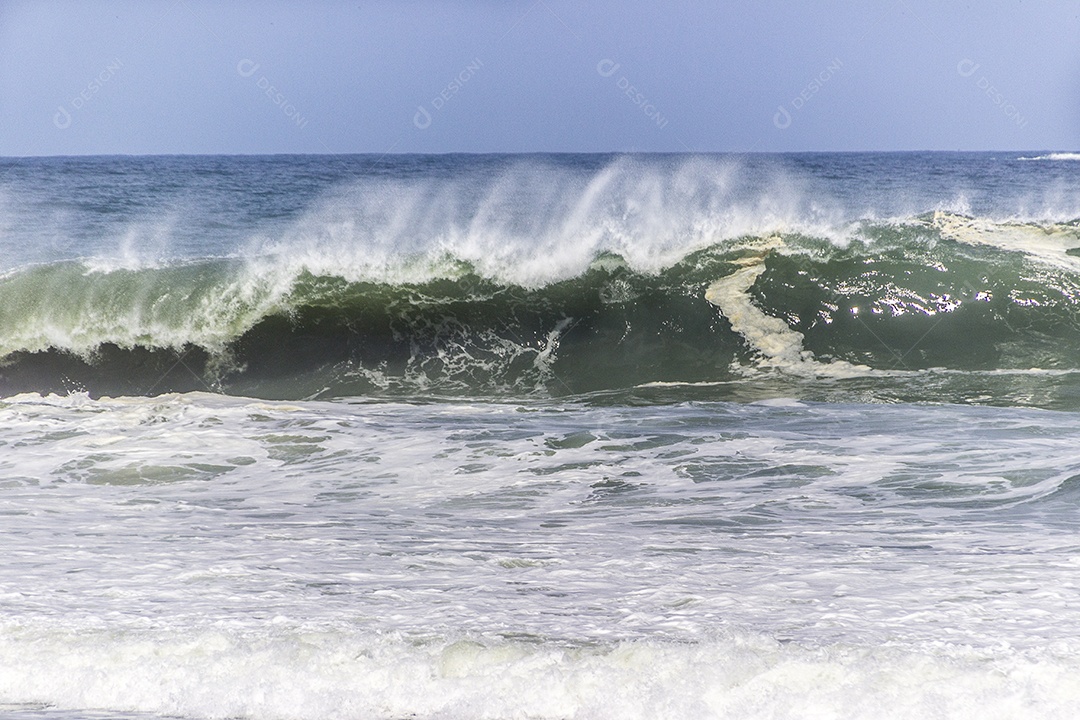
(433,76)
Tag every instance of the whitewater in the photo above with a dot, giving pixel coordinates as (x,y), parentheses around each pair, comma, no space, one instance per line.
(551,436)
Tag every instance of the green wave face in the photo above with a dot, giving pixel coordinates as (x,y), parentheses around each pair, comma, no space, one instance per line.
(69,307)
(915,299)
(941,308)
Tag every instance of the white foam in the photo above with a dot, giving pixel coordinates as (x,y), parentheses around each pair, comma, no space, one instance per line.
(1055,156)
(1047,243)
(777,345)
(285,672)
(220,557)
(780,402)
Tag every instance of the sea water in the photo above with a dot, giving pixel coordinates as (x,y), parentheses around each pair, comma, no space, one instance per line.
(540,436)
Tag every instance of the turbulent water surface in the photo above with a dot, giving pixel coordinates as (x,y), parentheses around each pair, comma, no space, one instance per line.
(540,436)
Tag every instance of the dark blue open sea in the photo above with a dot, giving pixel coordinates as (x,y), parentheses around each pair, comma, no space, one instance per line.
(552,436)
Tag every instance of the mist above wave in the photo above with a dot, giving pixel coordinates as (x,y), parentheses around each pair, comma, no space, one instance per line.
(524,219)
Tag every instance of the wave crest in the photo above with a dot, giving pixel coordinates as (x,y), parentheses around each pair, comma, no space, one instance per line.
(937,291)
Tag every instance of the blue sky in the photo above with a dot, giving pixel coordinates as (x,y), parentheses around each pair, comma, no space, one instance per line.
(187,76)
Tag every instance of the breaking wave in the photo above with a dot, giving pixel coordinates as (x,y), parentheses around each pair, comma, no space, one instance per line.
(934,293)
(1055,156)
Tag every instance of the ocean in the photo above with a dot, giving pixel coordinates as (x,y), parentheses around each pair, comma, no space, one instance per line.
(540,436)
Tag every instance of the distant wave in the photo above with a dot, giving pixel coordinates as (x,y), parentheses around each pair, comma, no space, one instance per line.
(1055,156)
